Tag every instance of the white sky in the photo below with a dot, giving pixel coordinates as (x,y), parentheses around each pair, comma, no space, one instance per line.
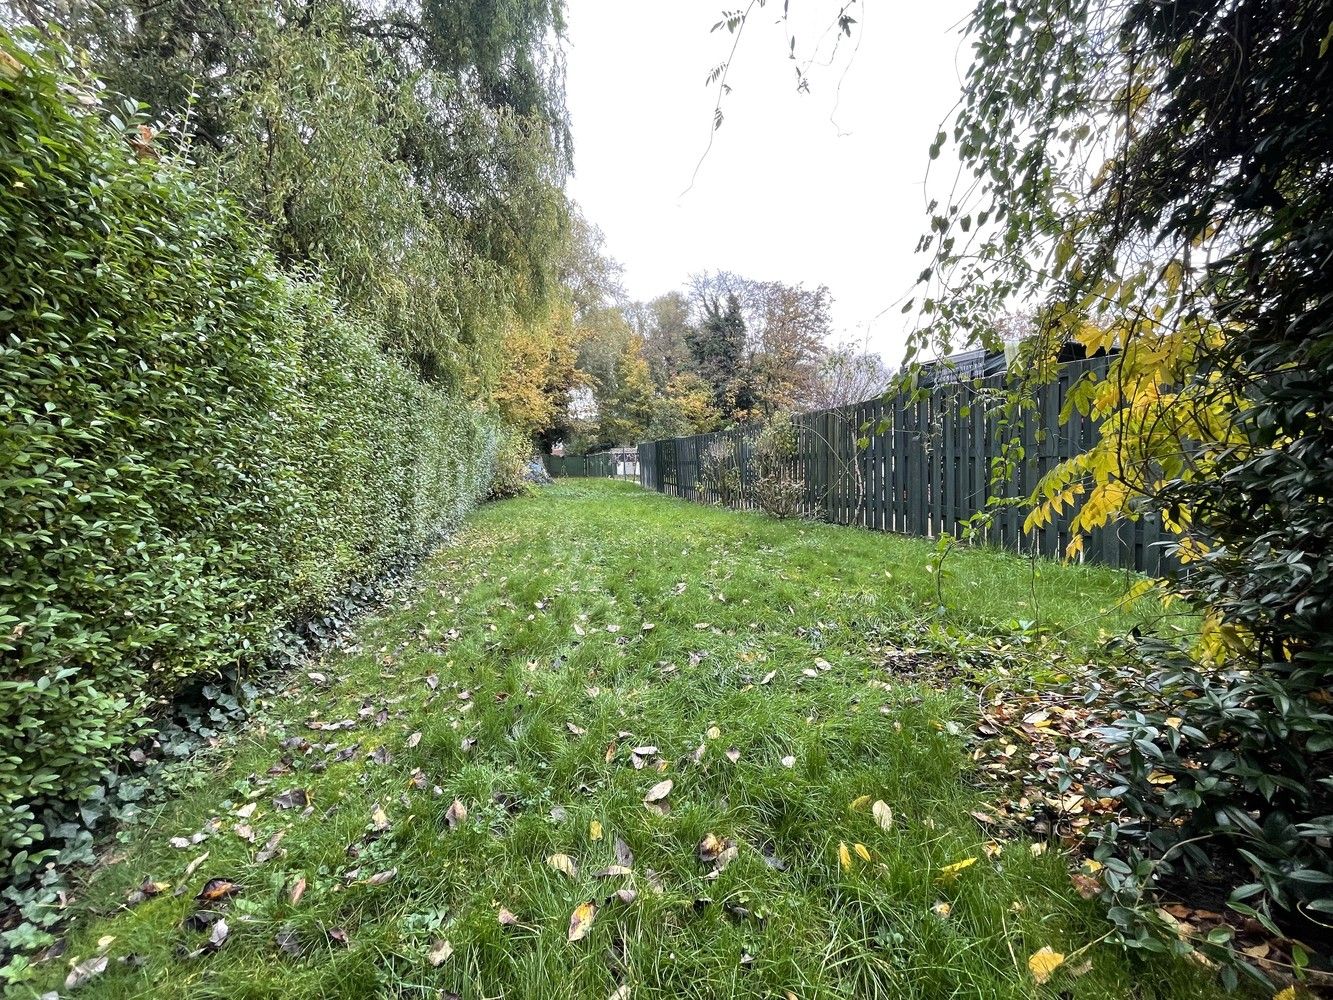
(785,193)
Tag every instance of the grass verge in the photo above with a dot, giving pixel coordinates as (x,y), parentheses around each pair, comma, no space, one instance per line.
(747,659)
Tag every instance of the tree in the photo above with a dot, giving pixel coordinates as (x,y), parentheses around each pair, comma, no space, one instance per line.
(718,348)
(415,153)
(848,374)
(1160,175)
(793,325)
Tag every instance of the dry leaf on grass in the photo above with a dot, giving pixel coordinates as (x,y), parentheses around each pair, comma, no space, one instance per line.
(1043,962)
(883,814)
(564,864)
(580,921)
(456,814)
(440,952)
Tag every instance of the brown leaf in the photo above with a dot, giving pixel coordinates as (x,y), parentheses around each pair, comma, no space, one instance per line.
(289,942)
(293,798)
(379,819)
(413,740)
(339,936)
(270,849)
(580,921)
(440,952)
(507,919)
(298,890)
(456,815)
(659,791)
(626,896)
(84,971)
(217,888)
(379,878)
(623,854)
(613,871)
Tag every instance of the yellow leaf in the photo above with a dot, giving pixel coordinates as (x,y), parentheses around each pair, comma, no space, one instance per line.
(883,814)
(859,803)
(862,851)
(844,856)
(950,872)
(1285,994)
(594,830)
(1043,962)
(580,921)
(564,864)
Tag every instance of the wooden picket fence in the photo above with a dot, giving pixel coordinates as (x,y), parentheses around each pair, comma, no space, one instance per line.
(920,464)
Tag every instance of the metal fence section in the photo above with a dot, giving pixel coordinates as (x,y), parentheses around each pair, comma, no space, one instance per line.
(619,463)
(921,464)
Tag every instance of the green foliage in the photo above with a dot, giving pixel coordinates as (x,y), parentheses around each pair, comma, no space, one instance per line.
(194,448)
(1201,246)
(720,471)
(777,489)
(513,458)
(414,152)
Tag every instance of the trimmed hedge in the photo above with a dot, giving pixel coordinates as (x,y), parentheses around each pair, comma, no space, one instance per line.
(194,448)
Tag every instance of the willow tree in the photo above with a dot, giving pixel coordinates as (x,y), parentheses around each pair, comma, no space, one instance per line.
(414,152)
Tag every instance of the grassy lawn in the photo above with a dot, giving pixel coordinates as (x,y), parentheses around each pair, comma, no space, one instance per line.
(557,633)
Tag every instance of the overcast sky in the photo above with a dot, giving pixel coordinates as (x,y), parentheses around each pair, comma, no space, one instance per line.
(820,188)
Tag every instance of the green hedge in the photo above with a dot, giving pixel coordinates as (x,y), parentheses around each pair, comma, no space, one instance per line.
(194,448)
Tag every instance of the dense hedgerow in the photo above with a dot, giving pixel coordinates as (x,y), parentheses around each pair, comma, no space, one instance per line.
(194,448)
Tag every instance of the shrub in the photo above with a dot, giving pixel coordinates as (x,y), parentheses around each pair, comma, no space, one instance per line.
(513,460)
(194,447)
(778,489)
(720,472)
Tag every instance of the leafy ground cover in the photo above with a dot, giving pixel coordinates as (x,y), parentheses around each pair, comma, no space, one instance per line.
(616,745)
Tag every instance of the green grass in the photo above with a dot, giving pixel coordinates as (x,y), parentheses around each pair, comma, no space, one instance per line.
(497,619)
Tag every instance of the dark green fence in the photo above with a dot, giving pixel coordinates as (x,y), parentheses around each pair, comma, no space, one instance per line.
(927,472)
(580,465)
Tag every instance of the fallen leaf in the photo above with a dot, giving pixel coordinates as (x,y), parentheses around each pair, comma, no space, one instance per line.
(218,888)
(289,942)
(413,740)
(293,798)
(379,878)
(862,851)
(942,910)
(859,803)
(456,814)
(789,761)
(339,936)
(950,872)
(769,676)
(193,866)
(218,935)
(733,755)
(622,992)
(85,971)
(844,856)
(595,830)
(623,854)
(298,890)
(564,864)
(1085,885)
(713,732)
(379,819)
(270,849)
(659,791)
(883,814)
(626,896)
(580,921)
(247,810)
(507,918)
(1043,962)
(440,952)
